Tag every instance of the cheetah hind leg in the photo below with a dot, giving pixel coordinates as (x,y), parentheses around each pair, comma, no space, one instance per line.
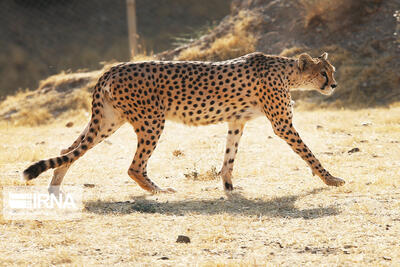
(59,173)
(147,138)
(108,125)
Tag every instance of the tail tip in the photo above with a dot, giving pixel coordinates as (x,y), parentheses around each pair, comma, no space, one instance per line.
(27,175)
(33,171)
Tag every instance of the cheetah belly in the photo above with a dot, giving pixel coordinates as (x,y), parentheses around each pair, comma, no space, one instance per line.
(218,114)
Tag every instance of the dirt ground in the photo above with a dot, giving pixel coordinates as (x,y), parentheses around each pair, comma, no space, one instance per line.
(279,213)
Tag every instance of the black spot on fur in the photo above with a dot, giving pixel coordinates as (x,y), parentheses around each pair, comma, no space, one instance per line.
(52,163)
(41,165)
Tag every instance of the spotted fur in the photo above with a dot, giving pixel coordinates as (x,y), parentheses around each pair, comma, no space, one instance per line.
(145,94)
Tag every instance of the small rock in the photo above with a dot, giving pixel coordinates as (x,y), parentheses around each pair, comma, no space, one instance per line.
(269,137)
(178,153)
(386,258)
(353,150)
(164,258)
(367,123)
(89,185)
(319,127)
(69,124)
(183,239)
(350,246)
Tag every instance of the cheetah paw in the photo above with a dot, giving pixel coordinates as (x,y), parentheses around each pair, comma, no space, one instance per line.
(164,191)
(334,181)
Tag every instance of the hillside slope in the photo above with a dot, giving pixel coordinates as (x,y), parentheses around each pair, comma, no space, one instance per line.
(362,41)
(362,38)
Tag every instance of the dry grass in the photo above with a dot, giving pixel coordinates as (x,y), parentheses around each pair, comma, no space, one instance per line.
(59,96)
(279,214)
(234,43)
(336,14)
(64,94)
(35,108)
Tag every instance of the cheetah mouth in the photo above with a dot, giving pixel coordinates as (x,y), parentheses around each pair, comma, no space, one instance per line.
(326,82)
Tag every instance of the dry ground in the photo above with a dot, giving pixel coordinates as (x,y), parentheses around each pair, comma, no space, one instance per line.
(279,214)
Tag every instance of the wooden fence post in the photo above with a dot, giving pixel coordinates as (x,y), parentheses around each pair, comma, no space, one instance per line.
(131,14)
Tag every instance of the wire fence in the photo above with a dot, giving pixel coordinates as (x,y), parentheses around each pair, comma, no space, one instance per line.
(42,37)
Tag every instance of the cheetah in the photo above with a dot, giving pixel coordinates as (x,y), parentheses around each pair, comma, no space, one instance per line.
(146,94)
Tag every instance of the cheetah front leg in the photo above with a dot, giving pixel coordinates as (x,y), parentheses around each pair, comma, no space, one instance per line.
(235,131)
(285,130)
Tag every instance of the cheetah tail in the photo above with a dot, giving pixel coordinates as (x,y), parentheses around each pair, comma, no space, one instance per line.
(37,168)
(88,142)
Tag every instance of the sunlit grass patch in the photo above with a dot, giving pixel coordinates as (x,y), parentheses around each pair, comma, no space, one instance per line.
(278,214)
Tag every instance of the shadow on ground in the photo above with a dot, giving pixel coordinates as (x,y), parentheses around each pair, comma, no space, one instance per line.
(234,204)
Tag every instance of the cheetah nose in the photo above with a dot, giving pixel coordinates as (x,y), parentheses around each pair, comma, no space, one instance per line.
(333,86)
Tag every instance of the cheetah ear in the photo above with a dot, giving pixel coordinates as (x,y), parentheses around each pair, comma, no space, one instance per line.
(324,56)
(304,61)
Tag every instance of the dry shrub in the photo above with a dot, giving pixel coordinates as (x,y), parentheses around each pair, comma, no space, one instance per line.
(55,96)
(140,57)
(292,51)
(64,82)
(30,117)
(58,96)
(337,14)
(235,43)
(35,108)
(211,174)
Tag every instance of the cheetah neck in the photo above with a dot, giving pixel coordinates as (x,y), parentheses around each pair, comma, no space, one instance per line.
(293,76)
(283,73)
(294,79)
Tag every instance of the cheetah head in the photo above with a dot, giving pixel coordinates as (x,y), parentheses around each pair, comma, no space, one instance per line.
(317,73)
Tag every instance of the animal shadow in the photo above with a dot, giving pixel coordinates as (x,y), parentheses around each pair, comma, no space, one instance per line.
(234,204)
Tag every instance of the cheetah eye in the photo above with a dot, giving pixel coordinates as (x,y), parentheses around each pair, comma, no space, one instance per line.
(323,73)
